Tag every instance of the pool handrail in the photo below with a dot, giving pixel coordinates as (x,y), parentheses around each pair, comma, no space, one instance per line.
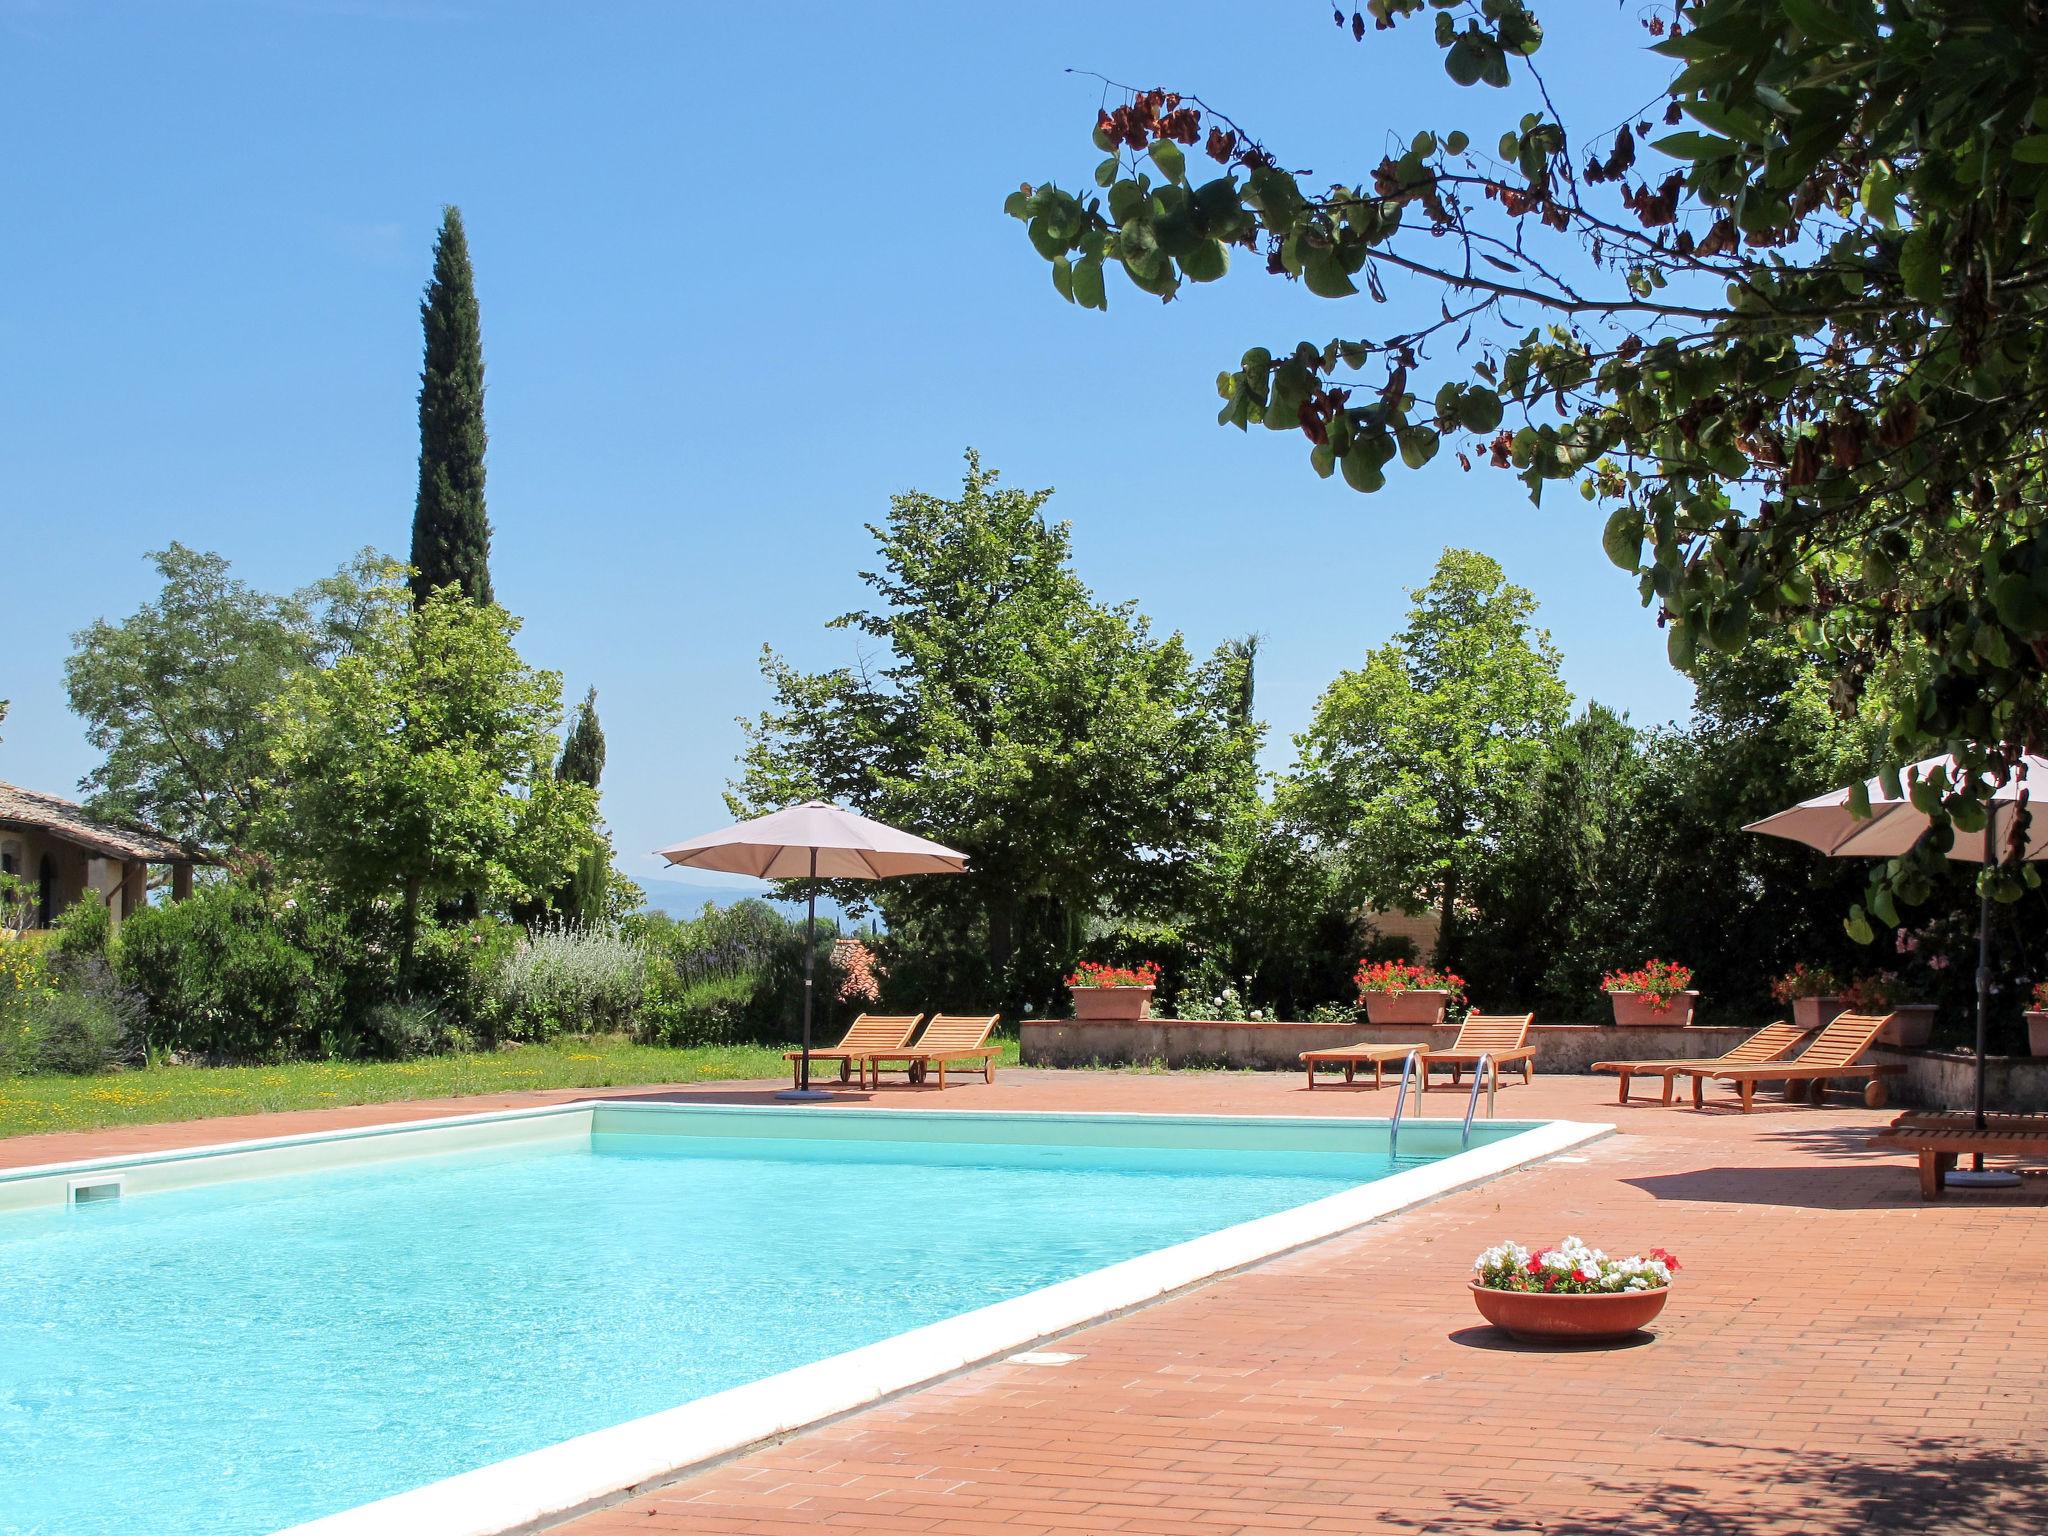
(1483,1071)
(1408,1067)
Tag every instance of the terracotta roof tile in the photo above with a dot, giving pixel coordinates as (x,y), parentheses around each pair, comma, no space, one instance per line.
(68,820)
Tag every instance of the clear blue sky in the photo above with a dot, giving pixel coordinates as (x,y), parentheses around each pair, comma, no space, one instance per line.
(744,273)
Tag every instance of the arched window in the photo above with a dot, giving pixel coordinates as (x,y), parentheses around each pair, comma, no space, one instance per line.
(46,893)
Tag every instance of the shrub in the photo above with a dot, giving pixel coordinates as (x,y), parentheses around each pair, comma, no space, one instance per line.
(576,980)
(88,1022)
(230,974)
(84,928)
(456,968)
(397,1030)
(719,1010)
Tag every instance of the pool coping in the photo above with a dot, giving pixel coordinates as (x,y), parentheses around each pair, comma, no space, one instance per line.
(540,1488)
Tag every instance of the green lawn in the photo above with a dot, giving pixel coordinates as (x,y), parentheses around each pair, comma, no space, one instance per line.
(29,1104)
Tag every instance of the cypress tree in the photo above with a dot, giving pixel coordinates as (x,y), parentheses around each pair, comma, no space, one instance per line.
(582,762)
(451,536)
(582,759)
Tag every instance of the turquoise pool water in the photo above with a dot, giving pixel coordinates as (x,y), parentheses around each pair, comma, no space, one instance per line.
(238,1358)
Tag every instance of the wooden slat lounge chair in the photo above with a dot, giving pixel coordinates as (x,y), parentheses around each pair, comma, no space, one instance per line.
(869,1032)
(1503,1037)
(1837,1051)
(1771,1043)
(1943,1139)
(1352,1057)
(947,1038)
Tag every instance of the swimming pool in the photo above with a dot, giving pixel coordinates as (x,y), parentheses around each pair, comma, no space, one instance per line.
(229,1348)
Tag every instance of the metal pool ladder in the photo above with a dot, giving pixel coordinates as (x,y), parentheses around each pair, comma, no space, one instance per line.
(1479,1075)
(1401,1100)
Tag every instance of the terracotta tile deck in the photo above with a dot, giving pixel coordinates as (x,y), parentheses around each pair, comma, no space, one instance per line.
(1840,1357)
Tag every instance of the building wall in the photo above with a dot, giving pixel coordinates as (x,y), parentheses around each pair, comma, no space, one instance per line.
(123,884)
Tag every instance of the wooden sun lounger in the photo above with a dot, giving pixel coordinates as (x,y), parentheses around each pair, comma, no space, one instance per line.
(1771,1043)
(947,1038)
(1502,1037)
(1836,1052)
(1352,1057)
(1943,1139)
(869,1032)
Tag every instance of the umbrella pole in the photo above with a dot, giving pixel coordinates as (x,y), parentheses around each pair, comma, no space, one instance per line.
(809,965)
(1977,1176)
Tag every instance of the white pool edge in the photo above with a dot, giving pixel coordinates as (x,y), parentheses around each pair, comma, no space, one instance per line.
(589,1471)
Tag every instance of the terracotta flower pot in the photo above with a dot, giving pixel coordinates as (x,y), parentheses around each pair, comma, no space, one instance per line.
(1423,1006)
(1120,1004)
(1814,1012)
(1538,1319)
(1634,1008)
(2037,1032)
(1911,1024)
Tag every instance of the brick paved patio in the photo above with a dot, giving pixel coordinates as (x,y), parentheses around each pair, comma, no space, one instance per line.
(1839,1358)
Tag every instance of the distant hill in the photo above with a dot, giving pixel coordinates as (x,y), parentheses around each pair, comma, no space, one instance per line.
(686,898)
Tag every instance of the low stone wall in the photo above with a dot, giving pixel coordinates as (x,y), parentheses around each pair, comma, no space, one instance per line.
(1948,1080)
(1278,1046)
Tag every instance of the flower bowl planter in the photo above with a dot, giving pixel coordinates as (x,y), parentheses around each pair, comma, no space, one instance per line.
(1422,1006)
(1634,1008)
(1816,1012)
(1911,1024)
(2037,1032)
(1537,1318)
(1119,1004)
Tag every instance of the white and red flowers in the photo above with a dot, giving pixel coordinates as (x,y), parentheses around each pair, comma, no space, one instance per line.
(1571,1269)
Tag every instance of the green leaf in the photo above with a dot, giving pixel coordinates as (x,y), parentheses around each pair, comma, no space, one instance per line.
(1819,23)
(1479,410)
(1888,780)
(1362,466)
(1167,156)
(1857,926)
(1043,240)
(2019,605)
(1694,146)
(1324,275)
(1464,63)
(1206,262)
(1418,446)
(1323,460)
(1456,142)
(1105,173)
(1920,265)
(1063,278)
(1859,800)
(1679,646)
(1622,538)
(1089,292)
(2032,150)
(1018,205)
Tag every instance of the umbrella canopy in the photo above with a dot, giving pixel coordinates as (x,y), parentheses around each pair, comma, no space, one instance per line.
(815,841)
(1895,825)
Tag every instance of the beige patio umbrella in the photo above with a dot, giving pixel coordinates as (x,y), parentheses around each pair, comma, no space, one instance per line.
(1894,825)
(815,841)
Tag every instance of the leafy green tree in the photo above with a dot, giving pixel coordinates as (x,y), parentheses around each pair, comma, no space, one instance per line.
(1412,768)
(1790,327)
(451,535)
(1085,767)
(416,768)
(1565,897)
(177,696)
